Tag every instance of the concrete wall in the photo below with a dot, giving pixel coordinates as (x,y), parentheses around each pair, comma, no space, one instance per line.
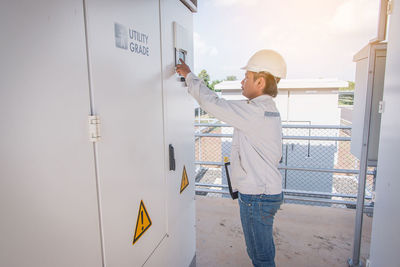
(316,105)
(320,106)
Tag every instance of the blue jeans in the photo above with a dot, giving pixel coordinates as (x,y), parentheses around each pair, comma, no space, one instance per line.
(257,215)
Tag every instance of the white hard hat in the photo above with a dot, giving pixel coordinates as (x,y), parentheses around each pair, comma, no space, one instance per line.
(269,61)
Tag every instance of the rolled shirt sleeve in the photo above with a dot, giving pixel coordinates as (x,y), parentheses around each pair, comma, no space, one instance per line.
(231,112)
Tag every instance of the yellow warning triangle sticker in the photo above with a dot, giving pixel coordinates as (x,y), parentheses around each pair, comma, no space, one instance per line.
(185,180)
(143,222)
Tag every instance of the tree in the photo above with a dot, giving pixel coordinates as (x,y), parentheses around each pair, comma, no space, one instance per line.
(347,95)
(213,83)
(206,78)
(231,78)
(349,88)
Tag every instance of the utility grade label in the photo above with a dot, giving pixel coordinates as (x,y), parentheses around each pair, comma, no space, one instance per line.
(128,38)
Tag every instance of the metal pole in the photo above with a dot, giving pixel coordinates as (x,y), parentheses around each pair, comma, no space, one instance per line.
(309,141)
(283,167)
(286,126)
(199,117)
(286,158)
(285,137)
(355,261)
(290,192)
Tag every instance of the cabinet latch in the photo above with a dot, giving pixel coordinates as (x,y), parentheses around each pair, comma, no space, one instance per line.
(94,128)
(389,7)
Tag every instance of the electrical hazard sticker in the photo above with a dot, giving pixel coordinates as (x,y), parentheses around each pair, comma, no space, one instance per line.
(143,222)
(185,180)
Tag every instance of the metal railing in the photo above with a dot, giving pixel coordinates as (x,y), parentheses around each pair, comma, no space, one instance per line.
(317,165)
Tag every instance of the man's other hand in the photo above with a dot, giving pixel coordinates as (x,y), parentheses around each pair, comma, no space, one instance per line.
(182,69)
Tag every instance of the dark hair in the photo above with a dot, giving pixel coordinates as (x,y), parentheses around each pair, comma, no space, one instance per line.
(271,83)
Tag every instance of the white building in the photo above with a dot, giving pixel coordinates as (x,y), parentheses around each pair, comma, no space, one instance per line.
(300,101)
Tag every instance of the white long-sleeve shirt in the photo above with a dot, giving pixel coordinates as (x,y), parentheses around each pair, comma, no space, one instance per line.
(257,138)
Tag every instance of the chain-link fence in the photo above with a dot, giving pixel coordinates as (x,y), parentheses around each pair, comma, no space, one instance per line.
(317,166)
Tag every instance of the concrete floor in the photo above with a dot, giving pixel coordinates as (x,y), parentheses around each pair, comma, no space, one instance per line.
(304,235)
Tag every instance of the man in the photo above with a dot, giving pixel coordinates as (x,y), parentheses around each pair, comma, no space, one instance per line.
(256,146)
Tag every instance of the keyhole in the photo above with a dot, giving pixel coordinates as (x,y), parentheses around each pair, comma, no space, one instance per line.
(141,216)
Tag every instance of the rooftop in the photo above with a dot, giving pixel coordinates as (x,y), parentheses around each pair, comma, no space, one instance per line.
(291,84)
(304,235)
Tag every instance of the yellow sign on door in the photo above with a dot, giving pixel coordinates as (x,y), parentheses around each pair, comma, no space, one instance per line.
(143,222)
(185,180)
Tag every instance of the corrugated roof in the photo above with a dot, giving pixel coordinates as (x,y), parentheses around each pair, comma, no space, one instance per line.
(290,84)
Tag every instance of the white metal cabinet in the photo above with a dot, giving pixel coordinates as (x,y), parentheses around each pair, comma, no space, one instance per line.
(48,203)
(370,73)
(128,97)
(48,191)
(385,237)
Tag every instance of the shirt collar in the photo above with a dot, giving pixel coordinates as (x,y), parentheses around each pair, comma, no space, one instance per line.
(260,98)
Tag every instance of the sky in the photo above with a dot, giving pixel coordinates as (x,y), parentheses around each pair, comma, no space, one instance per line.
(317,38)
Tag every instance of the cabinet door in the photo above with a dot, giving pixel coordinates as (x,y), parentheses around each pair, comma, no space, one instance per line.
(179,132)
(48,202)
(124,41)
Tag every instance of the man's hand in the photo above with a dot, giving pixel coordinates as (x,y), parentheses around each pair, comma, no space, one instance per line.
(182,69)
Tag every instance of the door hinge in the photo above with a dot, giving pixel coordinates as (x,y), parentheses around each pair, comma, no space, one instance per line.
(381,107)
(389,7)
(94,128)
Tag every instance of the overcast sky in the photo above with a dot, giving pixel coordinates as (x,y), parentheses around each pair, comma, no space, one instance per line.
(317,38)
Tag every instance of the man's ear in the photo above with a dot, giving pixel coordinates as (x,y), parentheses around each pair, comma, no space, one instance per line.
(260,82)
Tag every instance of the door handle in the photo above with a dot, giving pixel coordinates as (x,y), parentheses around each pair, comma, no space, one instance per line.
(171,158)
